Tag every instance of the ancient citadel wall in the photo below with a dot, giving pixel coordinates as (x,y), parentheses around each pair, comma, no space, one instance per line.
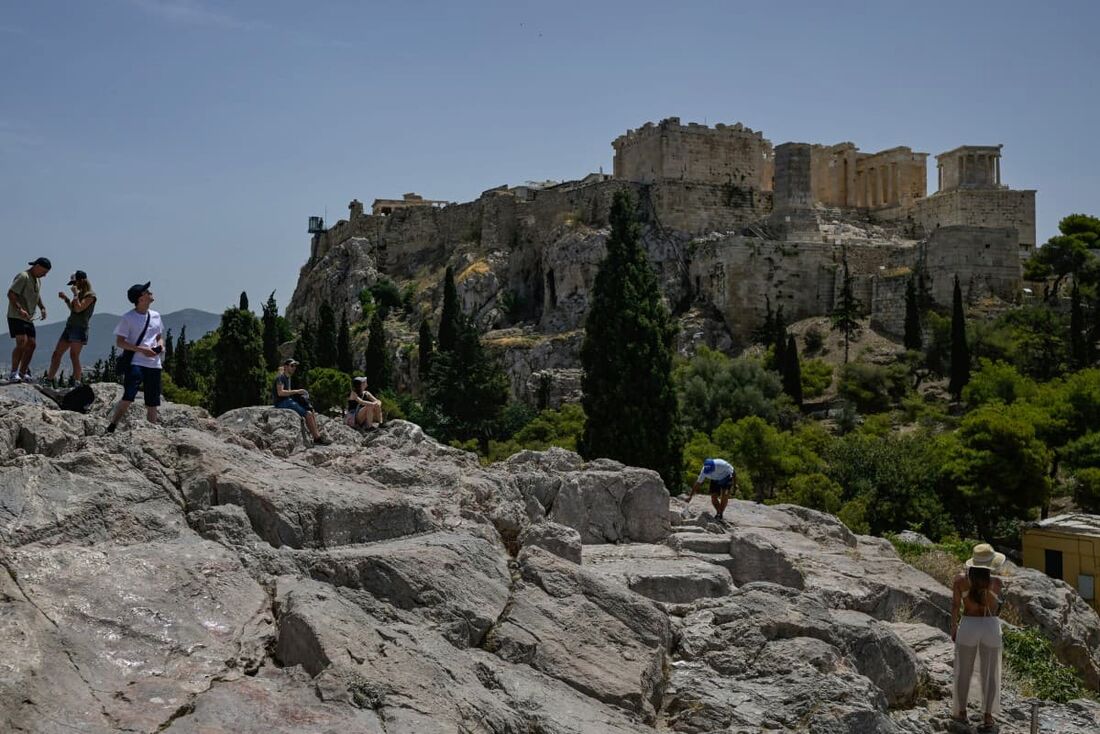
(982,208)
(693,152)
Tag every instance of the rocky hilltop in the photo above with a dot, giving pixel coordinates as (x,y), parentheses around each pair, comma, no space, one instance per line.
(224,575)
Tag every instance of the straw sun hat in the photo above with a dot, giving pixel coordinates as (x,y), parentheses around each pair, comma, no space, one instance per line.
(985,557)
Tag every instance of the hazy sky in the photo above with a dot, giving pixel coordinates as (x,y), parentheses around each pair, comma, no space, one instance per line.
(187,141)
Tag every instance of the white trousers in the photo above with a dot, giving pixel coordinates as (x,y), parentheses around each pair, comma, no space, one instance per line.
(978,637)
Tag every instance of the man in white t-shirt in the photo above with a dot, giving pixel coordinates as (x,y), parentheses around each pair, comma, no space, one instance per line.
(141,332)
(723,478)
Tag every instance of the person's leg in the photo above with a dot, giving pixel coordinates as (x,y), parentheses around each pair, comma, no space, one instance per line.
(28,352)
(723,500)
(966,651)
(311,424)
(55,358)
(989,652)
(151,379)
(74,355)
(17,352)
(378,414)
(362,416)
(715,503)
(130,384)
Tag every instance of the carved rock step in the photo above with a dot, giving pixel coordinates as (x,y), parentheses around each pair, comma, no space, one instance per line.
(658,572)
(700,542)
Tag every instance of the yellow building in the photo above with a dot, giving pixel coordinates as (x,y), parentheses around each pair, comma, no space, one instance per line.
(1066,547)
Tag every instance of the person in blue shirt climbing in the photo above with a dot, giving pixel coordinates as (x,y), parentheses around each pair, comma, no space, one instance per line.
(722,477)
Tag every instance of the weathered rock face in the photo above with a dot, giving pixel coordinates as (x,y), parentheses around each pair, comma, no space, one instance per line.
(228,576)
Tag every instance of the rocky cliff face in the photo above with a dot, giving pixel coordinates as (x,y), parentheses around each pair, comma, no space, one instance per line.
(227,576)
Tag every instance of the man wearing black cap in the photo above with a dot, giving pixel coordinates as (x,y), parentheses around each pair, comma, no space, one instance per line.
(23,296)
(141,332)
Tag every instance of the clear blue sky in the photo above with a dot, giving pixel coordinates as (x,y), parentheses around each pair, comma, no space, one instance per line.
(187,141)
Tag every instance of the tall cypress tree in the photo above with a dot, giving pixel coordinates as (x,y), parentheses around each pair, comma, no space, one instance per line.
(169,353)
(1078,344)
(343,347)
(913,337)
(244,301)
(271,333)
(468,387)
(779,339)
(327,337)
(629,398)
(378,370)
(305,350)
(424,355)
(451,313)
(846,311)
(792,372)
(239,362)
(960,351)
(181,367)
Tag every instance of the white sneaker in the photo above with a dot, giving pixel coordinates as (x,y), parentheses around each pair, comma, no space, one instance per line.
(14,377)
(28,377)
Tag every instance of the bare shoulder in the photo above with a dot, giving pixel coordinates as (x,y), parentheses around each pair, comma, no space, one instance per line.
(961,582)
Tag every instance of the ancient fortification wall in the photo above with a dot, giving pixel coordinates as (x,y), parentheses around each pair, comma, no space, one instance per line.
(982,208)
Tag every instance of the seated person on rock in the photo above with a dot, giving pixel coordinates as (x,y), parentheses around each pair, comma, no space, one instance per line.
(364,410)
(722,476)
(296,400)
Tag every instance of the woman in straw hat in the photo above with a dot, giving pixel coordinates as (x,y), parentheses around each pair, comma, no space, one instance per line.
(976,594)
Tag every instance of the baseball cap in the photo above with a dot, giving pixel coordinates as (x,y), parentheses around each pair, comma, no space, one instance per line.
(708,465)
(135,291)
(359,379)
(43,261)
(78,275)
(288,361)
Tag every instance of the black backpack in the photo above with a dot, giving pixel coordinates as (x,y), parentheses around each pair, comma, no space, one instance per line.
(79,399)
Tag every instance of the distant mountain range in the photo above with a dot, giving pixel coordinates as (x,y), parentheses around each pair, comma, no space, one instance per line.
(101,337)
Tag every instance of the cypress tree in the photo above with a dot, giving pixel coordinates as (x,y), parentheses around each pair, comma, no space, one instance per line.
(1078,346)
(846,311)
(913,336)
(244,301)
(779,339)
(792,372)
(327,337)
(181,369)
(378,370)
(451,313)
(240,374)
(343,347)
(627,353)
(424,354)
(468,387)
(169,352)
(271,333)
(305,350)
(960,352)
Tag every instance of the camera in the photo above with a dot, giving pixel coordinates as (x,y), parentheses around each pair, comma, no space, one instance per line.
(158,349)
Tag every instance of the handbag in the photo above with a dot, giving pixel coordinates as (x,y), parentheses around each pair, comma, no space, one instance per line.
(122,364)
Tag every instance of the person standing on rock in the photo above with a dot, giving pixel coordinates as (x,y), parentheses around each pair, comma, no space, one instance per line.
(722,477)
(976,594)
(24,295)
(75,336)
(288,398)
(140,332)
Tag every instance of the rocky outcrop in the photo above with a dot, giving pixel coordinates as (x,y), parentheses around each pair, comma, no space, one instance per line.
(229,576)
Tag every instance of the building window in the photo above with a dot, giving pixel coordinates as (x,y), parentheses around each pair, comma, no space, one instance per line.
(1086,586)
(1053,565)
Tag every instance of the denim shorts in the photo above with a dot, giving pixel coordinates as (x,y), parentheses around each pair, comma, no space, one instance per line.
(291,404)
(146,378)
(720,486)
(75,334)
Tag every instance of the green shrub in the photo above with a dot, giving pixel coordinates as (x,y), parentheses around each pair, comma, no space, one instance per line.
(874,388)
(854,515)
(1087,490)
(387,296)
(817,376)
(1031,657)
(815,340)
(328,389)
(549,428)
(997,381)
(176,394)
(815,491)
(391,406)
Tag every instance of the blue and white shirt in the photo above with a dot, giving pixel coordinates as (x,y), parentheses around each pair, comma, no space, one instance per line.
(722,471)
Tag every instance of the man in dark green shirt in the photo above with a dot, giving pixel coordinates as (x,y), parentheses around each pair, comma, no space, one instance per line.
(23,296)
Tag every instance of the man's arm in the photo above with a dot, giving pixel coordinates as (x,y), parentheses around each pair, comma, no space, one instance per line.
(13,299)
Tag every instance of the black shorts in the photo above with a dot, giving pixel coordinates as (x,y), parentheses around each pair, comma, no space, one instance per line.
(19,327)
(147,378)
(721,486)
